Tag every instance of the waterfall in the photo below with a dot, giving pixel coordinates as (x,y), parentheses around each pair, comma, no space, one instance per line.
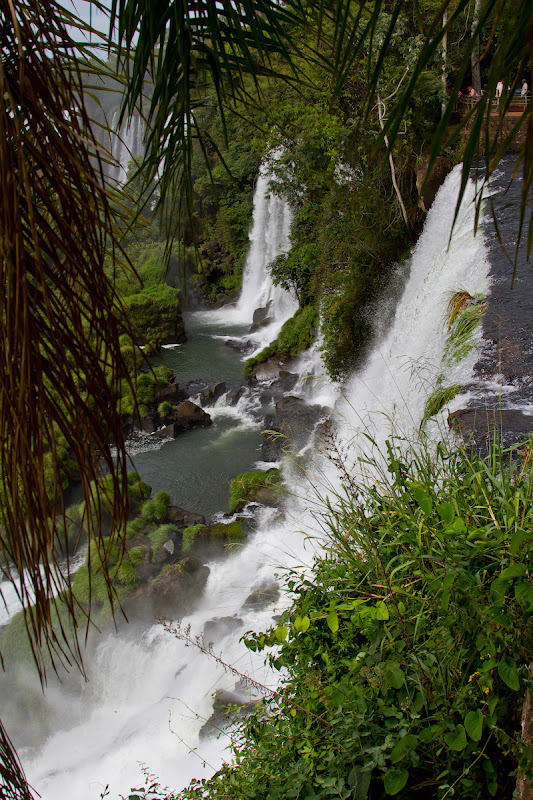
(149,694)
(127,142)
(259,298)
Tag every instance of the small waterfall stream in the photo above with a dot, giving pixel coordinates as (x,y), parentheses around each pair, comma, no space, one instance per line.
(149,695)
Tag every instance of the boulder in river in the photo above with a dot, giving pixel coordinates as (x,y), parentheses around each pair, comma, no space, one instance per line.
(210,395)
(188,416)
(292,424)
(172,594)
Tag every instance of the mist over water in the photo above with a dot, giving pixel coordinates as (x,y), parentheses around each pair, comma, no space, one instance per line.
(149,695)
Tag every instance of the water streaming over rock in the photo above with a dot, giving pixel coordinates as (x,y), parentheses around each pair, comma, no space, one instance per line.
(260,301)
(149,695)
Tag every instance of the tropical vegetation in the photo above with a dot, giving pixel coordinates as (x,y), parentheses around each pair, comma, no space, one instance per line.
(353,92)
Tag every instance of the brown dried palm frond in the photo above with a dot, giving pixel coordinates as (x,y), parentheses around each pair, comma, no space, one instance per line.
(13,784)
(60,362)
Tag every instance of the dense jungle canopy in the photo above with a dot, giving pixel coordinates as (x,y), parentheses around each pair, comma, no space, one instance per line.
(348,87)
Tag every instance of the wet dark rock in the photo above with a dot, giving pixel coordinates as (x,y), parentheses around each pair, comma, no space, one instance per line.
(191,564)
(429,185)
(210,395)
(173,393)
(292,424)
(241,345)
(146,571)
(171,595)
(261,597)
(188,416)
(234,395)
(227,707)
(182,518)
(261,317)
(270,369)
(219,627)
(167,432)
(195,387)
(480,426)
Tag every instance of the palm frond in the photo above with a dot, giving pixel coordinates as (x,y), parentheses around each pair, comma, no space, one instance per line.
(13,784)
(60,365)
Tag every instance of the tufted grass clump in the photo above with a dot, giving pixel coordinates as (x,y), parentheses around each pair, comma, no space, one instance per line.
(189,535)
(438,399)
(156,509)
(245,486)
(464,313)
(160,535)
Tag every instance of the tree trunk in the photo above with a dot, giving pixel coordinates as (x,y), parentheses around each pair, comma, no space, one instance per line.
(381,114)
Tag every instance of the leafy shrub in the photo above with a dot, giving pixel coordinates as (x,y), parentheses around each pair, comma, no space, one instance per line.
(406,654)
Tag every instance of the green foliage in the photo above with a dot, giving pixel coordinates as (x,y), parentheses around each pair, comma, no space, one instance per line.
(160,535)
(460,339)
(244,487)
(438,399)
(156,509)
(189,535)
(406,654)
(154,312)
(202,537)
(295,336)
(164,409)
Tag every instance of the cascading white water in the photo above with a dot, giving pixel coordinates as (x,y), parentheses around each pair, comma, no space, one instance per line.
(126,143)
(269,238)
(148,694)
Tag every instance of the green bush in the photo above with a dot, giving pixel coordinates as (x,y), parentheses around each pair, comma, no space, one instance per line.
(295,336)
(406,653)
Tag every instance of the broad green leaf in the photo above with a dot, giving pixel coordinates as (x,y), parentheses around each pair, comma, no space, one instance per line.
(508,673)
(395,677)
(305,623)
(404,746)
(514,571)
(446,512)
(521,590)
(394,780)
(298,624)
(280,633)
(516,541)
(333,621)
(382,612)
(456,739)
(474,724)
(422,498)
(498,591)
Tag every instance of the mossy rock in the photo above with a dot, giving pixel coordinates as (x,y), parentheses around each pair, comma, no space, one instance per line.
(212,541)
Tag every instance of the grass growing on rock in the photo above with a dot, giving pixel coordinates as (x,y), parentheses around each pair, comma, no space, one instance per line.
(245,486)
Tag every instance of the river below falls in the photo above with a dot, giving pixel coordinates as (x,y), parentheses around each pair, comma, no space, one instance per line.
(197,467)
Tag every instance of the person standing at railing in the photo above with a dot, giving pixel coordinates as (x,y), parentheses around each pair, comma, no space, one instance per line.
(499,90)
(525,90)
